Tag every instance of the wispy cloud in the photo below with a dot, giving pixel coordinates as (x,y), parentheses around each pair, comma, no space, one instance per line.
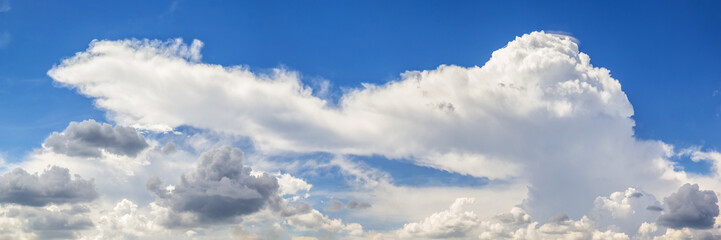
(5,39)
(5,6)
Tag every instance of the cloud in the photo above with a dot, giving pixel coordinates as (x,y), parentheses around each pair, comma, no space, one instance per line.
(289,185)
(654,208)
(625,210)
(352,204)
(124,221)
(316,220)
(219,189)
(334,205)
(54,185)
(89,138)
(5,6)
(5,39)
(456,223)
(537,111)
(691,208)
(452,223)
(51,222)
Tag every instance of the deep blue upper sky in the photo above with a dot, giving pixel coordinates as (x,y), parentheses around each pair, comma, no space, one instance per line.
(665,54)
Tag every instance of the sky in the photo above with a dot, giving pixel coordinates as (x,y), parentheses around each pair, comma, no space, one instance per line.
(360,120)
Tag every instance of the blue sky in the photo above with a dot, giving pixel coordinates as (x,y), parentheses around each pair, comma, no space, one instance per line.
(664,54)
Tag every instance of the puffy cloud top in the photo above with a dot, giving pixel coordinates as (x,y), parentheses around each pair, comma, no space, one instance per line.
(88,139)
(452,223)
(50,222)
(691,208)
(54,185)
(219,189)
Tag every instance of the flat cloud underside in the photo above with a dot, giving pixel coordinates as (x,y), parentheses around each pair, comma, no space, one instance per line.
(690,207)
(54,185)
(88,139)
(52,224)
(219,189)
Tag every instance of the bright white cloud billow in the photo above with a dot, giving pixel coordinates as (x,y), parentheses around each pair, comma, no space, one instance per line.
(537,108)
(537,119)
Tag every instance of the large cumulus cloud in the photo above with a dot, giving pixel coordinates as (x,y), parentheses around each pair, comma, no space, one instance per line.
(537,111)
(89,138)
(219,189)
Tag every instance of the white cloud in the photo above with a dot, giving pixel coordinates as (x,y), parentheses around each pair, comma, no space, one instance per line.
(315,220)
(537,111)
(537,117)
(289,185)
(626,210)
(456,223)
(453,223)
(49,222)
(125,221)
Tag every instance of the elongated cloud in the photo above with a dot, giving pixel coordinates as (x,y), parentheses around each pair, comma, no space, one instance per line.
(50,222)
(88,138)
(54,185)
(457,223)
(537,111)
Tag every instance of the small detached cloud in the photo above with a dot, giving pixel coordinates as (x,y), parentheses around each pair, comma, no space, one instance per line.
(89,138)
(654,208)
(54,185)
(334,205)
(352,204)
(690,207)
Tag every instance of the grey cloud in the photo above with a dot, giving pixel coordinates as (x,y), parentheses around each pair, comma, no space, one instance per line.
(88,138)
(708,236)
(219,189)
(636,195)
(689,207)
(52,224)
(54,185)
(334,205)
(560,218)
(298,208)
(169,148)
(358,205)
(654,208)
